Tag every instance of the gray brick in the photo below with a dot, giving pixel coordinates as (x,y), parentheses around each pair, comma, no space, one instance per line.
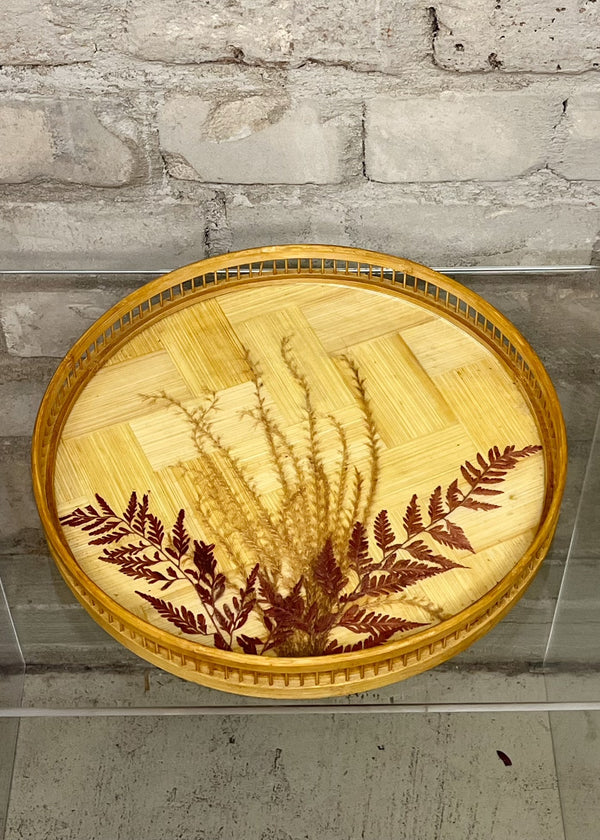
(586,537)
(65,141)
(38,32)
(300,217)
(577,629)
(21,401)
(532,37)
(508,643)
(182,31)
(389,37)
(66,636)
(9,730)
(52,627)
(472,234)
(559,549)
(102,234)
(258,139)
(46,323)
(34,581)
(459,136)
(20,527)
(580,402)
(577,156)
(394,37)
(145,685)
(22,385)
(438,228)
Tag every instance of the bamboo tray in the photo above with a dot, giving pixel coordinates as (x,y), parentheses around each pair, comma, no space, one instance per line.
(299,471)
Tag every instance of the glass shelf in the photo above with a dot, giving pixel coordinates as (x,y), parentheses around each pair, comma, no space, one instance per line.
(12,676)
(545,652)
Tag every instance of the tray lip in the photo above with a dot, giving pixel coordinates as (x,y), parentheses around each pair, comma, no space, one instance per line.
(487,609)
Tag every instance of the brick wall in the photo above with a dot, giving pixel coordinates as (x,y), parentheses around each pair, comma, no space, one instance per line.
(147,133)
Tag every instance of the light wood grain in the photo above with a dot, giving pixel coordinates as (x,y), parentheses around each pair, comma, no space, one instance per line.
(204,348)
(406,403)
(263,336)
(118,392)
(490,407)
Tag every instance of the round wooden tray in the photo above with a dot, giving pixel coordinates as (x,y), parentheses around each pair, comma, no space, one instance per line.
(299,471)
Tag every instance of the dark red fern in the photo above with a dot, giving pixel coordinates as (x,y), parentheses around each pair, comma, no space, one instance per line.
(380,629)
(360,620)
(230,616)
(181,617)
(135,564)
(104,506)
(327,572)
(334,596)
(112,535)
(382,531)
(204,558)
(421,551)
(131,509)
(454,495)
(475,504)
(251,644)
(156,532)
(494,469)
(180,538)
(139,520)
(285,611)
(451,535)
(436,507)
(392,577)
(413,520)
(358,549)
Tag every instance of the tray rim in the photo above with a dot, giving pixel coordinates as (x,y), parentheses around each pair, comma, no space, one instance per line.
(332,674)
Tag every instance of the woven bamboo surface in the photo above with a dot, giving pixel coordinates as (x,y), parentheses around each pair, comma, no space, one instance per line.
(300,482)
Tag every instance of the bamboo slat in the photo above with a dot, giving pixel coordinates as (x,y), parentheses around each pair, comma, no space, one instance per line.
(299,471)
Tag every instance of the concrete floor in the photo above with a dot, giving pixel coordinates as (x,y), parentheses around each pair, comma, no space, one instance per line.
(292,778)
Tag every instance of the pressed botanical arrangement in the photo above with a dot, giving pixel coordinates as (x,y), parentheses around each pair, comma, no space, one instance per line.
(309,578)
(219,510)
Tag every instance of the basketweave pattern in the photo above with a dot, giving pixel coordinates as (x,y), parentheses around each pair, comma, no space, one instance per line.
(376,665)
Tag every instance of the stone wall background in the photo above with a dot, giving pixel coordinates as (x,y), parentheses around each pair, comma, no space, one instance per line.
(148,133)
